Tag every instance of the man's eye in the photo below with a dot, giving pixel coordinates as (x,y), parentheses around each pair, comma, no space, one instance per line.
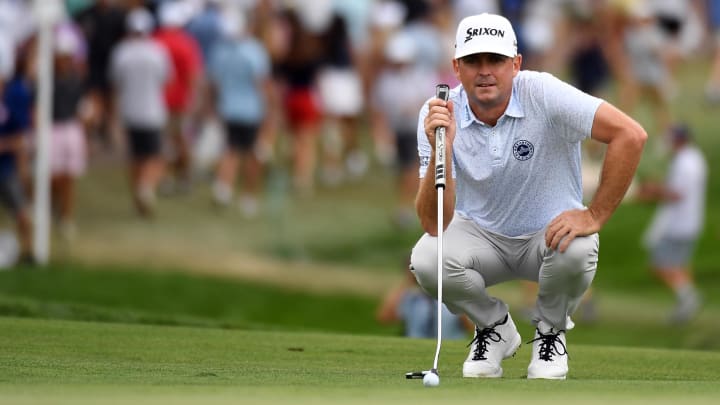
(497,59)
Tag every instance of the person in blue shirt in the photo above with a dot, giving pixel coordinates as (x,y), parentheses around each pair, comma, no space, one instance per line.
(239,74)
(15,122)
(205,27)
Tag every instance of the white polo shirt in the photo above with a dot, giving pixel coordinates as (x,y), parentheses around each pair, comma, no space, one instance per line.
(683,218)
(515,177)
(139,69)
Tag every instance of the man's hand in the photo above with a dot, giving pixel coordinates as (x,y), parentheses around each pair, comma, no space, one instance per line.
(440,114)
(569,225)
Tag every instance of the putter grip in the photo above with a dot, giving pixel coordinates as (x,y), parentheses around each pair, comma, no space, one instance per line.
(442,91)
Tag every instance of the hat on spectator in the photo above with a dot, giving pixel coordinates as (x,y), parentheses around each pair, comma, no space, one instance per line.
(485,33)
(388,14)
(173,14)
(139,20)
(400,48)
(233,24)
(66,42)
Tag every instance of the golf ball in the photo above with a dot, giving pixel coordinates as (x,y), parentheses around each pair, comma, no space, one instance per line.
(431,380)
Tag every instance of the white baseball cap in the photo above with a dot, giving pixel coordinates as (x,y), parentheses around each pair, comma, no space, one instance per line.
(66,42)
(139,20)
(233,24)
(173,14)
(485,33)
(400,48)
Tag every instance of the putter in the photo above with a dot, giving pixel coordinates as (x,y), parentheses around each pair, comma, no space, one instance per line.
(442,91)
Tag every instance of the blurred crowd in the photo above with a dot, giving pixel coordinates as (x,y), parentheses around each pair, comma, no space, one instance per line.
(181,87)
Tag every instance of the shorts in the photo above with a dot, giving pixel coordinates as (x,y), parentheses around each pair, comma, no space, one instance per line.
(406,147)
(241,137)
(68,149)
(144,143)
(341,92)
(11,193)
(302,108)
(668,253)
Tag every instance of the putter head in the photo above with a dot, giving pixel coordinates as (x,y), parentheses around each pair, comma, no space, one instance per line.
(416,375)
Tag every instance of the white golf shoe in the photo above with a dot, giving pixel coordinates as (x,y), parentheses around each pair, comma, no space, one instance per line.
(489,347)
(687,307)
(549,354)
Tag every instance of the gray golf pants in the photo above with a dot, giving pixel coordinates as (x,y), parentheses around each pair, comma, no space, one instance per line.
(475,259)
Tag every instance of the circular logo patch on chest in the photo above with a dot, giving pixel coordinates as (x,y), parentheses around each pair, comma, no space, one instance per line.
(523,150)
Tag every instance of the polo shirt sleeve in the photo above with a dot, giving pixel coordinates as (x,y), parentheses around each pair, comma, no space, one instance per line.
(568,109)
(424,149)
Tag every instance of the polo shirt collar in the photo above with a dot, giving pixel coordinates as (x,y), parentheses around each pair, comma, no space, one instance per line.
(514,109)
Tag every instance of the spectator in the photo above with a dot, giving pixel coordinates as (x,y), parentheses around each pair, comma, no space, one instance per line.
(103,25)
(299,70)
(341,95)
(205,27)
(15,122)
(140,69)
(396,99)
(409,305)
(68,145)
(386,17)
(239,71)
(677,224)
(712,85)
(646,49)
(181,92)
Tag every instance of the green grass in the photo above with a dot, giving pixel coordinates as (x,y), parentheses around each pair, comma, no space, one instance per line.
(123,295)
(83,362)
(173,298)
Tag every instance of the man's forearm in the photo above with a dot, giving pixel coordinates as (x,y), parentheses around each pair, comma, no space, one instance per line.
(621,161)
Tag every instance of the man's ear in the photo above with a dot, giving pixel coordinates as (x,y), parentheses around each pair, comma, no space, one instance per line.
(517,64)
(456,68)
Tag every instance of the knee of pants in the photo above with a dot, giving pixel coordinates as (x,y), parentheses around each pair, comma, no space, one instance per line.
(423,263)
(580,257)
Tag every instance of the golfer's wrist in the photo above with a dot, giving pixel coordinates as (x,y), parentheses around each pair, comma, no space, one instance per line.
(599,215)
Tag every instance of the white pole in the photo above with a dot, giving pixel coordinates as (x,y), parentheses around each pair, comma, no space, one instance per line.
(47,13)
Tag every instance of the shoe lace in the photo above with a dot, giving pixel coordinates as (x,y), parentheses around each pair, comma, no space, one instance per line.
(549,345)
(483,338)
